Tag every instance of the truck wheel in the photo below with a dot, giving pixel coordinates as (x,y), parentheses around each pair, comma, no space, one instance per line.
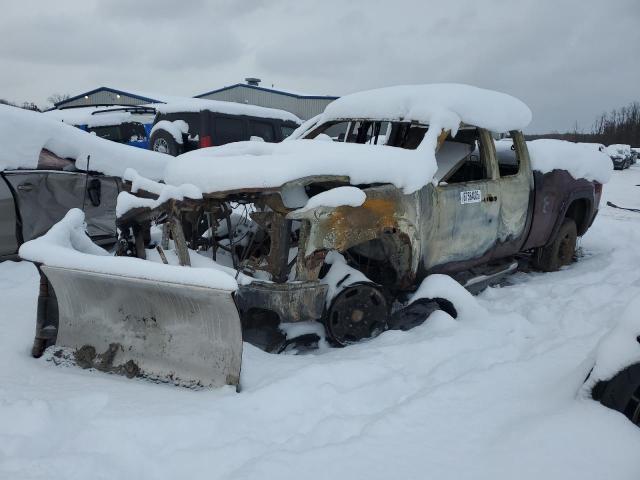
(622,393)
(560,251)
(358,312)
(163,142)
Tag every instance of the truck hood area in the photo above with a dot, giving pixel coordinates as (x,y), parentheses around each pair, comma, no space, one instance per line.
(257,165)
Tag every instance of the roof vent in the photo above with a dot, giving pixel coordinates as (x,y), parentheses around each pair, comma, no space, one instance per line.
(254,82)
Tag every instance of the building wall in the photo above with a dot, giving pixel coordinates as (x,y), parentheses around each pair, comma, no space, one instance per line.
(304,108)
(103,98)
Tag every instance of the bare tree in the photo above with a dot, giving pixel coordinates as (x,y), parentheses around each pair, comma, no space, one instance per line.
(58,97)
(30,106)
(618,126)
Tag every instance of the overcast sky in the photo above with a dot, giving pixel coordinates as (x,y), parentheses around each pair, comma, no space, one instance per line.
(568,60)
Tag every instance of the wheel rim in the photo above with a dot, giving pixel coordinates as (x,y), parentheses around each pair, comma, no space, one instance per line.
(358,312)
(161,146)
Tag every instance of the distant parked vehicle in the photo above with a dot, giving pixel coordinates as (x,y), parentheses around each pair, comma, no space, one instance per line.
(32,200)
(194,123)
(130,125)
(620,156)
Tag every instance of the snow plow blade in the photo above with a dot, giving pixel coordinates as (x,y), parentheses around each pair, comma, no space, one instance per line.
(171,332)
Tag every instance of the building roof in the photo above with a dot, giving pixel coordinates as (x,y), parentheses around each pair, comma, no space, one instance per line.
(144,96)
(271,90)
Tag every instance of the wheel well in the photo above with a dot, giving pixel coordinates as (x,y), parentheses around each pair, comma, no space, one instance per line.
(578,211)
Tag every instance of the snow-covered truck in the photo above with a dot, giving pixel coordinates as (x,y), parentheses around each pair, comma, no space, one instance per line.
(326,234)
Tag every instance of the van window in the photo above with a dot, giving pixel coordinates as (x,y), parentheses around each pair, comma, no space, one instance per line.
(263,130)
(132,132)
(286,131)
(229,130)
(111,132)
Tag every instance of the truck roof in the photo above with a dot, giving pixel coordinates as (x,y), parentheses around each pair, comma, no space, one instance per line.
(445,104)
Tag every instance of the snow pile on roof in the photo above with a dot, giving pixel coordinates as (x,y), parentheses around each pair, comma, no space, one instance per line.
(443,104)
(269,165)
(97,116)
(581,161)
(126,201)
(23,135)
(230,108)
(67,245)
(619,349)
(176,128)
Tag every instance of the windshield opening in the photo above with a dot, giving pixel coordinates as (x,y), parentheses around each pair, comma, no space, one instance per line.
(372,132)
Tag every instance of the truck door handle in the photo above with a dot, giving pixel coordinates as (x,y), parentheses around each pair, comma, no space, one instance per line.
(25,187)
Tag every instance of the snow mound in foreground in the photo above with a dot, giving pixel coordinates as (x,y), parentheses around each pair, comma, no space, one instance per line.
(619,349)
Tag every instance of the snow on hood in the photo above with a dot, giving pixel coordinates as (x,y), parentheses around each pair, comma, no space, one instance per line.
(230,108)
(436,103)
(23,135)
(67,245)
(580,160)
(270,165)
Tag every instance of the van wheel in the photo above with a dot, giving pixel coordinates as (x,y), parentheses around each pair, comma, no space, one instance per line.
(622,393)
(163,142)
(559,252)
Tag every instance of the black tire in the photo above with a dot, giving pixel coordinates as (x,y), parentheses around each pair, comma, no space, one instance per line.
(413,315)
(622,393)
(162,141)
(560,251)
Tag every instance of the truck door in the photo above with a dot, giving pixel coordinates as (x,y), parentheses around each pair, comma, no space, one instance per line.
(465,208)
(8,238)
(43,197)
(516,194)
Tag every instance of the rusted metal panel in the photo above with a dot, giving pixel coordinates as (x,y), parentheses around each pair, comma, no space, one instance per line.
(292,302)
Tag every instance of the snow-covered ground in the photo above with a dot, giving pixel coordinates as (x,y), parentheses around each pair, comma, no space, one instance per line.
(492,395)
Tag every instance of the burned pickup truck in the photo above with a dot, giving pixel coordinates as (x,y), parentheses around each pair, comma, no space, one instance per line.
(332,230)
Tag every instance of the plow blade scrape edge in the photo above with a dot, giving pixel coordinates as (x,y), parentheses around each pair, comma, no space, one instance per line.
(183,334)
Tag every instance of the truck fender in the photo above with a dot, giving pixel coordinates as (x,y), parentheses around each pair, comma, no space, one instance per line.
(583,222)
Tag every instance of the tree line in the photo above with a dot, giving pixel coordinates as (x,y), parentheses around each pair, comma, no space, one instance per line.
(53,99)
(618,126)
